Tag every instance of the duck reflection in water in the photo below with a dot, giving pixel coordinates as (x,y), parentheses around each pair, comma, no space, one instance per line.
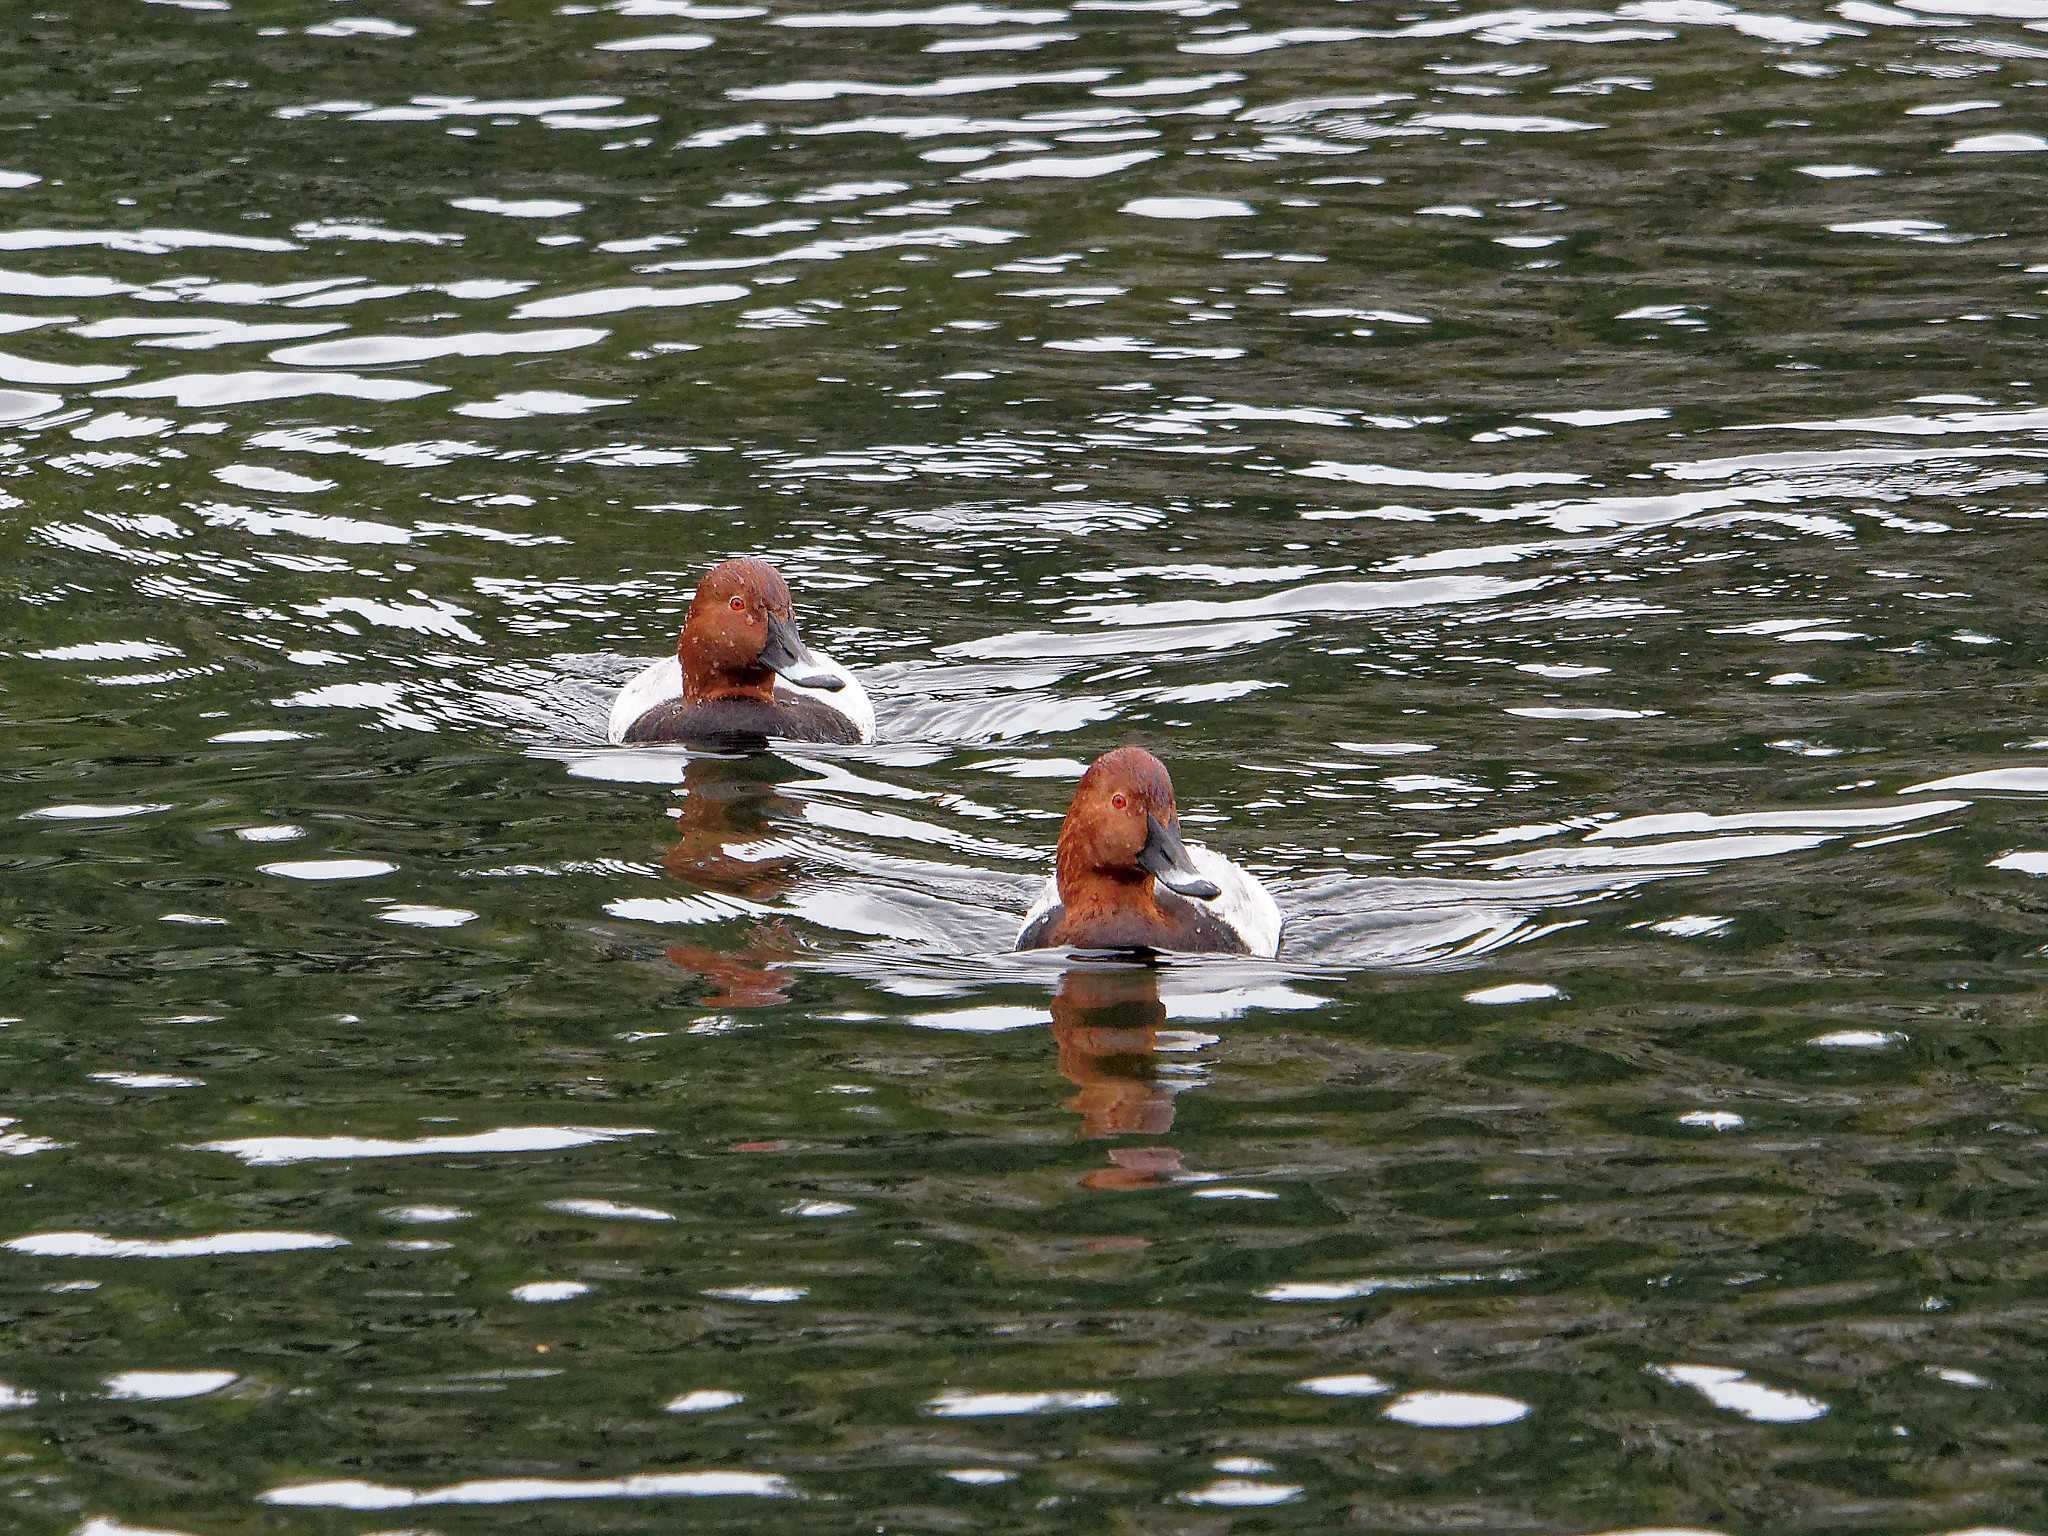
(1106,1023)
(725,844)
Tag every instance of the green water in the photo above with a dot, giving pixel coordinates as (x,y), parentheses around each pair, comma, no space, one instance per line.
(1560,489)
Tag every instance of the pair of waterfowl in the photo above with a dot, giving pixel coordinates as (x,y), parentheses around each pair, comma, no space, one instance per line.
(1123,879)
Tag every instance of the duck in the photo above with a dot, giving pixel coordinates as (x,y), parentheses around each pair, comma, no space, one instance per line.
(1123,879)
(741,674)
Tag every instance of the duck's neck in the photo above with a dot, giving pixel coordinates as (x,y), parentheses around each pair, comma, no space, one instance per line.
(703,683)
(1093,894)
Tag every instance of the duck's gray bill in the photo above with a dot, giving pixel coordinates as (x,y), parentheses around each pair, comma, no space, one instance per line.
(1166,856)
(786,654)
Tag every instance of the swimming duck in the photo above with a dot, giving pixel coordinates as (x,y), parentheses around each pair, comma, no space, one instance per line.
(1124,880)
(741,674)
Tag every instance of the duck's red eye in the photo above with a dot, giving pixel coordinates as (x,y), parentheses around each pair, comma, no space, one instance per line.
(1118,801)
(739,605)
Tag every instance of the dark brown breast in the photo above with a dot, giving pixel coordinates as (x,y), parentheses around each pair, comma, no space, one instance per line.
(742,725)
(1182,925)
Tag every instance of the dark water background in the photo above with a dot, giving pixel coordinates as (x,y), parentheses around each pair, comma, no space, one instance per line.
(1561,488)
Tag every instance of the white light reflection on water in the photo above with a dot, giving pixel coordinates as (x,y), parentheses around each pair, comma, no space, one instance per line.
(95,1245)
(145,1080)
(165,1386)
(93,812)
(330,869)
(977,1405)
(426,1215)
(21,1143)
(1354,1290)
(703,1400)
(760,1295)
(1514,992)
(1858,1039)
(1735,1391)
(274,1151)
(1456,1410)
(362,1495)
(609,1210)
(1242,1493)
(1356,1385)
(415,915)
(543,1292)
(1712,1120)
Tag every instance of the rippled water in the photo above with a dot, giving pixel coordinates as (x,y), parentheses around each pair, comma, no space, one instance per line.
(1560,489)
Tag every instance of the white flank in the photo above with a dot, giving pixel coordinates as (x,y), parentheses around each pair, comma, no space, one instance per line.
(1246,907)
(851,701)
(657,682)
(1048,898)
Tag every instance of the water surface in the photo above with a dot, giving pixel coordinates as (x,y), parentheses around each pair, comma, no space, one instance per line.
(1559,487)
